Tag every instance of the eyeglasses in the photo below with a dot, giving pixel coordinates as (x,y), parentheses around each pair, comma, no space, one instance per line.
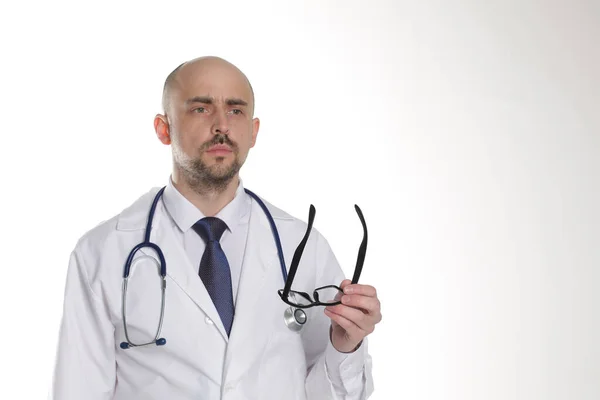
(329,295)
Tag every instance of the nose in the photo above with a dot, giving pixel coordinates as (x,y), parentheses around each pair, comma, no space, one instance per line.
(220,124)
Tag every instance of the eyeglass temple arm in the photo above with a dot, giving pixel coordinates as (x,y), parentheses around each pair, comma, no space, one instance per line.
(362,251)
(298,253)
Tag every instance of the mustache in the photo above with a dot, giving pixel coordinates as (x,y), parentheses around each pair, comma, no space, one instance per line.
(219,139)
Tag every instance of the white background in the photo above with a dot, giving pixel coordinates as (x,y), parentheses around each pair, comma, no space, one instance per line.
(467,131)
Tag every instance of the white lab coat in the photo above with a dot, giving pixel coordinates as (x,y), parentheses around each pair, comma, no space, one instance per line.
(262,358)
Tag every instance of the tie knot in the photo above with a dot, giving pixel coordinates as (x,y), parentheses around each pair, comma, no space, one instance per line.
(210,229)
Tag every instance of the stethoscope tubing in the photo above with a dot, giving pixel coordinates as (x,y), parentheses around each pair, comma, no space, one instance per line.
(295,323)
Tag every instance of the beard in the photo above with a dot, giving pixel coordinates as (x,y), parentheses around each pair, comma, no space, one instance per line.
(204,178)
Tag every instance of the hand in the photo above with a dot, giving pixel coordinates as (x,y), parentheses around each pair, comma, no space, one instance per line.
(355,318)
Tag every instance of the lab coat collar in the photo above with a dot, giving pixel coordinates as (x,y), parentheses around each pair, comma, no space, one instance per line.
(185,214)
(135,216)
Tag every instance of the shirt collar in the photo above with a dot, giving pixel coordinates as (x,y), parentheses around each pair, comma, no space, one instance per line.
(185,214)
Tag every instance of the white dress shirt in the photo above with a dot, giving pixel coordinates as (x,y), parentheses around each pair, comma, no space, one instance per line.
(235,214)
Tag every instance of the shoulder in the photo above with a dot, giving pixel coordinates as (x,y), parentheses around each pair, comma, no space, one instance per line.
(277,212)
(131,218)
(293,226)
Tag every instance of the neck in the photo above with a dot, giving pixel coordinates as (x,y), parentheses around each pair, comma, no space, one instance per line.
(208,200)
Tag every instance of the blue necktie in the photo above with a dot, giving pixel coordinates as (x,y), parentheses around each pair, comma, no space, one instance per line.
(214,268)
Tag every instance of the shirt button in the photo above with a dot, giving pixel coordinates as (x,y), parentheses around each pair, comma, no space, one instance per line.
(208,321)
(230,386)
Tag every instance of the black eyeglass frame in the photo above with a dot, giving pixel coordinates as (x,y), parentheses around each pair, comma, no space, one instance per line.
(314,301)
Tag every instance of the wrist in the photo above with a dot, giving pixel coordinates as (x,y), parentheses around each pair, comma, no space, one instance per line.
(347,348)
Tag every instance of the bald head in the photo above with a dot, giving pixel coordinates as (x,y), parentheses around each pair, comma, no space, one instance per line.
(202,68)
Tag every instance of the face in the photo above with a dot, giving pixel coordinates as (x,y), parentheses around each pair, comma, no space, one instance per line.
(209,123)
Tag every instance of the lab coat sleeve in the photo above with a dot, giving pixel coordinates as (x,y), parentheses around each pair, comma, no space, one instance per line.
(334,375)
(85,361)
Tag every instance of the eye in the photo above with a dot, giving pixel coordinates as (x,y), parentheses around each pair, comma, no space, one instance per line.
(199,110)
(236,111)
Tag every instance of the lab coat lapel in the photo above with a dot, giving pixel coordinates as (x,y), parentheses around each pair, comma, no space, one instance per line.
(251,329)
(180,269)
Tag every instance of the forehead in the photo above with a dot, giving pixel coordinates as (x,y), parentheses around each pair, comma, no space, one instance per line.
(220,81)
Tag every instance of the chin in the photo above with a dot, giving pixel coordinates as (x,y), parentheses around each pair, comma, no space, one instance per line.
(218,168)
(221,163)
(221,169)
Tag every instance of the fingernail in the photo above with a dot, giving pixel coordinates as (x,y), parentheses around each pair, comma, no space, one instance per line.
(348,289)
(345,299)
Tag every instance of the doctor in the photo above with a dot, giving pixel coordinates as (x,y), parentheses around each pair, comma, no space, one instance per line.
(223,324)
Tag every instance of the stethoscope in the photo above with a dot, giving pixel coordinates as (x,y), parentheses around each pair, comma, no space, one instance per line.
(294,318)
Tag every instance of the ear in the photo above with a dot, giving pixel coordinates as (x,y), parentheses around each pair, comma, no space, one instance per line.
(255,126)
(161,126)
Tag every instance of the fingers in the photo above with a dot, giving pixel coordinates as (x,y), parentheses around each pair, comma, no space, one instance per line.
(346,323)
(359,312)
(370,305)
(345,283)
(353,318)
(365,290)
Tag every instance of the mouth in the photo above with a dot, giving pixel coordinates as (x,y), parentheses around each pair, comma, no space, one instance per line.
(219,150)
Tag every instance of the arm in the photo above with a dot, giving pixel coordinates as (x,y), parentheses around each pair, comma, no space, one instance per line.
(85,361)
(332,374)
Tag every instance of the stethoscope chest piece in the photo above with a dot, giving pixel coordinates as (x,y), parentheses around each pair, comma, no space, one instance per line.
(294,318)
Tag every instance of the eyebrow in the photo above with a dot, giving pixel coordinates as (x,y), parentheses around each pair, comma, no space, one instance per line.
(210,100)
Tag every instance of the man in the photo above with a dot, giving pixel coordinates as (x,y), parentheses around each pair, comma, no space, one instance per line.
(223,322)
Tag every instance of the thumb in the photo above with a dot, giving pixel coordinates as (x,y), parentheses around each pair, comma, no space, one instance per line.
(345,283)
